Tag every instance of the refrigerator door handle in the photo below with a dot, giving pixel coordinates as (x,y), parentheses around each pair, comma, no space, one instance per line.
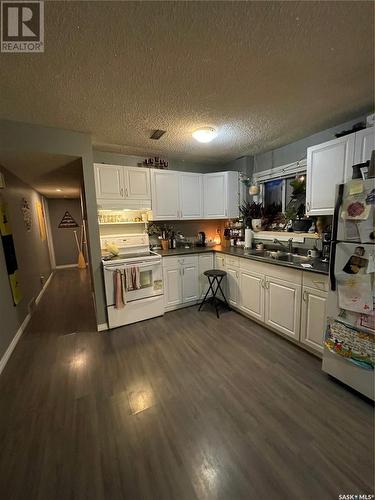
(332,266)
(335,223)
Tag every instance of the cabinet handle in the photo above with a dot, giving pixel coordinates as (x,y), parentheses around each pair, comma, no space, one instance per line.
(122,192)
(183,270)
(126,192)
(267,284)
(308,206)
(304,296)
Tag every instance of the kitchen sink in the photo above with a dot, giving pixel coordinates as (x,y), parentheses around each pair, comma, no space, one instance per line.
(280,255)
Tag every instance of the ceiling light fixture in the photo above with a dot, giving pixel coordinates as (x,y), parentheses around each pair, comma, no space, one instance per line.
(205,134)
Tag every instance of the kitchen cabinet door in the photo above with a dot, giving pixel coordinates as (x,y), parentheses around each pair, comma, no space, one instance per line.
(172,277)
(191,195)
(233,276)
(165,199)
(215,195)
(220,264)
(205,263)
(190,286)
(313,318)
(251,298)
(364,144)
(283,306)
(109,181)
(328,164)
(137,183)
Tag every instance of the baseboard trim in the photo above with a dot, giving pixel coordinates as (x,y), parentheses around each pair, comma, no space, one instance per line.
(66,266)
(21,329)
(14,342)
(37,300)
(102,327)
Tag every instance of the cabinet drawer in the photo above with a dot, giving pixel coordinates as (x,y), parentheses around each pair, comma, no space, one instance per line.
(232,261)
(170,261)
(316,281)
(280,272)
(180,260)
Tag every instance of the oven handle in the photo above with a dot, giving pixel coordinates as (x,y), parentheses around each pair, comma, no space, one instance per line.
(135,264)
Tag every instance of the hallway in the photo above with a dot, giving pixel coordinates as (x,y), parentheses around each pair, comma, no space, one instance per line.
(182,407)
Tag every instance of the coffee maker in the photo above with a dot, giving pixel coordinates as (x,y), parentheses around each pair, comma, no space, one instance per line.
(201,239)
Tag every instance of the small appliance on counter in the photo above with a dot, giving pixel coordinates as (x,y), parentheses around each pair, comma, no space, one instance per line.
(201,239)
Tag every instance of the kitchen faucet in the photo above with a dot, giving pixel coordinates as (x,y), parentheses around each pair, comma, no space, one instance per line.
(289,247)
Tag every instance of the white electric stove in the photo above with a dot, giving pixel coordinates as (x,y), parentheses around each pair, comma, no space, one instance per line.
(141,303)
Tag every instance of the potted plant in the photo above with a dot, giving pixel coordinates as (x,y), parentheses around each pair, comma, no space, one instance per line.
(252,214)
(295,210)
(163,232)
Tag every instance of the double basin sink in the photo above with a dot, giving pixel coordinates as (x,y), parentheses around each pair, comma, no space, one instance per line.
(281,256)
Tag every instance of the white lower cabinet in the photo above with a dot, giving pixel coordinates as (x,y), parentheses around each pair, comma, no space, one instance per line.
(205,263)
(283,306)
(289,301)
(233,288)
(313,318)
(190,288)
(180,275)
(172,285)
(252,294)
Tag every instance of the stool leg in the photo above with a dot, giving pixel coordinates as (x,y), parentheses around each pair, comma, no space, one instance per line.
(222,293)
(208,291)
(214,292)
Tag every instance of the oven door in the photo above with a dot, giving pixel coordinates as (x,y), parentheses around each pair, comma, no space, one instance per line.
(150,275)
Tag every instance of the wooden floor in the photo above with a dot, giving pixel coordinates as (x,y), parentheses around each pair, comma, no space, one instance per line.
(180,407)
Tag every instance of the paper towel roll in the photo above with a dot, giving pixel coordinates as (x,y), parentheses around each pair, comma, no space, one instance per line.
(248,238)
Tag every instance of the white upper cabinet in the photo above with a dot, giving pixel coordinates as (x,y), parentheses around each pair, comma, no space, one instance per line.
(221,195)
(116,182)
(191,200)
(364,144)
(109,182)
(137,183)
(186,195)
(328,164)
(215,193)
(165,195)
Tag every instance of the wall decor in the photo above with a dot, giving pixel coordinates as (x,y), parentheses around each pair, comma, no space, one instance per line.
(26,214)
(10,254)
(67,221)
(41,220)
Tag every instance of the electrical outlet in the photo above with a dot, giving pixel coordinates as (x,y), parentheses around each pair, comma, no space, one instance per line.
(2,181)
(42,280)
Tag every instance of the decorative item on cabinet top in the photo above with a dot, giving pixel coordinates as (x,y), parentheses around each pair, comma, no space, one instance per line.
(125,216)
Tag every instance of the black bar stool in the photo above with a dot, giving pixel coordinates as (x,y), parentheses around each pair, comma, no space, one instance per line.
(215,277)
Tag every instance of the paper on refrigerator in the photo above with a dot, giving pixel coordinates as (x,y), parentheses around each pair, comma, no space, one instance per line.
(355,293)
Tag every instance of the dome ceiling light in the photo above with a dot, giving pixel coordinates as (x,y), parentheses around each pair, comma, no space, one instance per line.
(205,134)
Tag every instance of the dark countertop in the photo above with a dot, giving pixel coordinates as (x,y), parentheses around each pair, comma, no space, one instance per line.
(318,265)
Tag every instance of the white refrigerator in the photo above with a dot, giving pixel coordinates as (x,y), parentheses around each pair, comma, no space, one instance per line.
(349,342)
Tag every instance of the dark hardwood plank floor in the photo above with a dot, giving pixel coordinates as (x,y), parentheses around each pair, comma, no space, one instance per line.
(180,407)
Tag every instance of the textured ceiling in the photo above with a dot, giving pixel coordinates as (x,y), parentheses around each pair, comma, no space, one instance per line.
(263,73)
(46,172)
